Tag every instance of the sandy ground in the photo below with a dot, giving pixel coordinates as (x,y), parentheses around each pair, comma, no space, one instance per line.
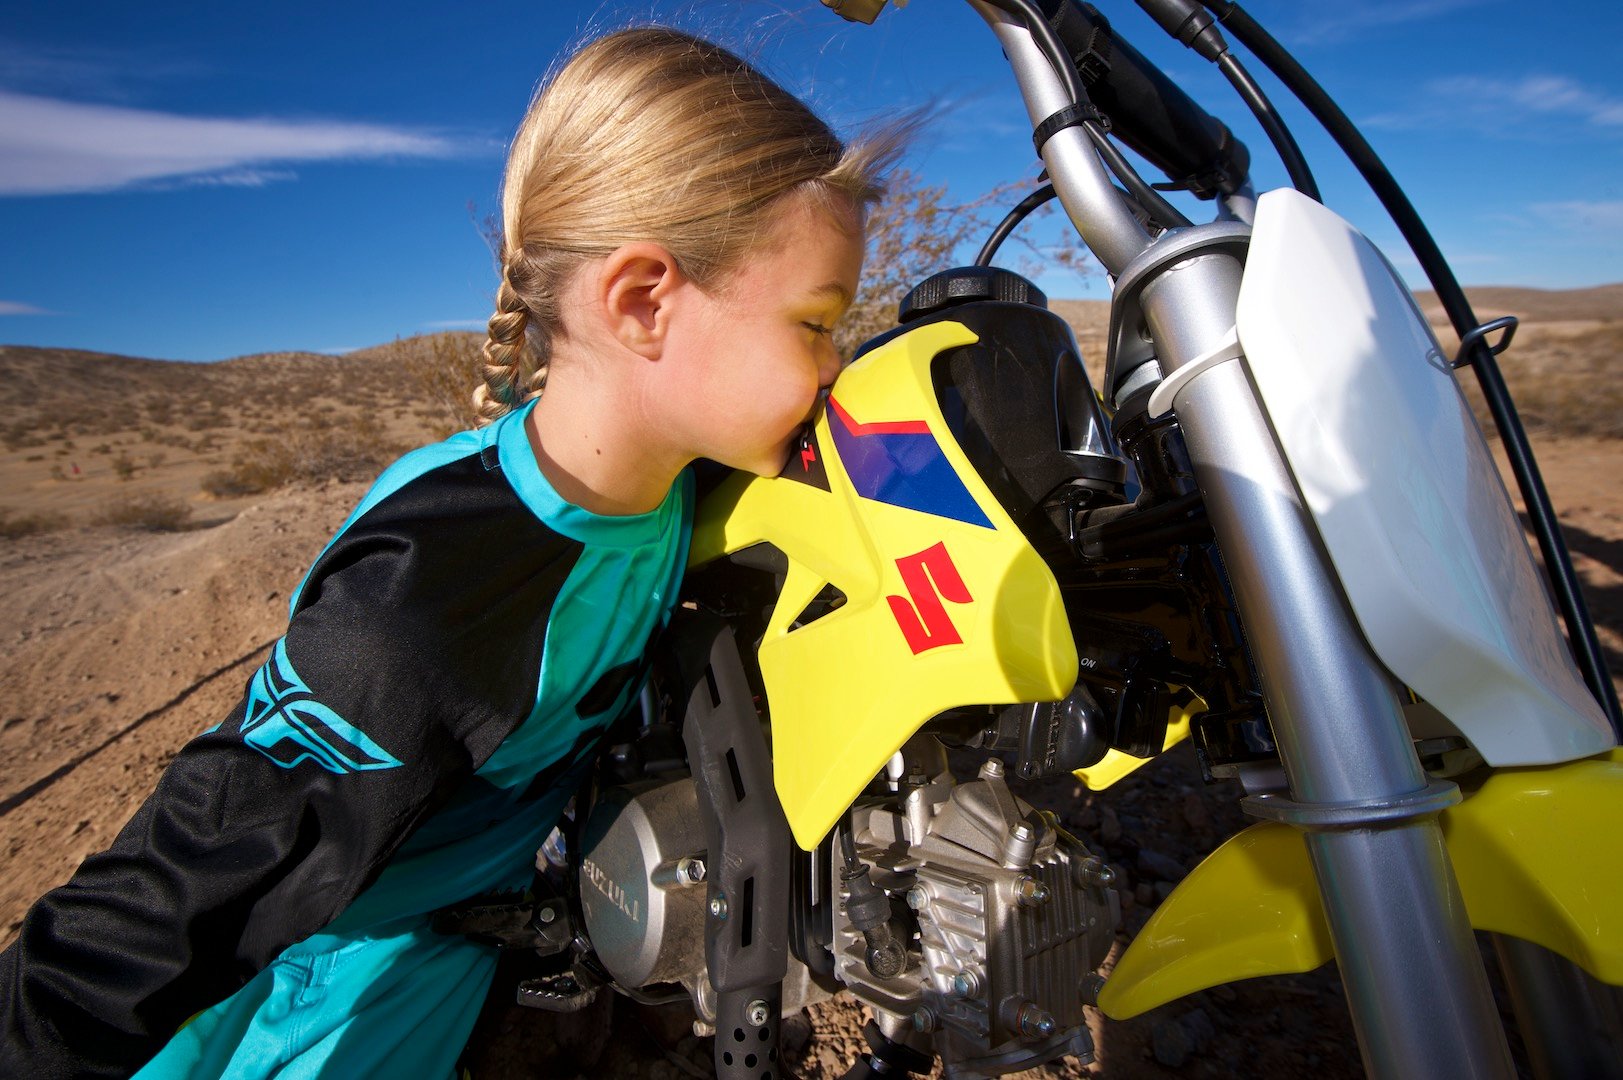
(117,645)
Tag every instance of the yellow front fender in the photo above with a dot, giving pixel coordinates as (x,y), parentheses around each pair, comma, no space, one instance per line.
(1538,853)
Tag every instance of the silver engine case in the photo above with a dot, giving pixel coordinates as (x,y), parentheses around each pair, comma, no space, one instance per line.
(1014,914)
(642,894)
(641,882)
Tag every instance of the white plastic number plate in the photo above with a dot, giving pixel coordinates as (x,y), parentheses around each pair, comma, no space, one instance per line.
(1404,492)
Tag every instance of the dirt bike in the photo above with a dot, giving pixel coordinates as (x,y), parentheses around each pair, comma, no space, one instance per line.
(1276,530)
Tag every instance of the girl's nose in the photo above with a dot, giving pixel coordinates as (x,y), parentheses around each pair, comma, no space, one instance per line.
(829,367)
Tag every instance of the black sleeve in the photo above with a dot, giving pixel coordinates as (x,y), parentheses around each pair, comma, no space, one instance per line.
(397,677)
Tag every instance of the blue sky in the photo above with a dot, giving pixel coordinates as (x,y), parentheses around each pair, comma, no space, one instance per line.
(200,181)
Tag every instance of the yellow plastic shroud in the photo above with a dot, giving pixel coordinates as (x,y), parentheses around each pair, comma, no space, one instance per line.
(1538,853)
(943,611)
(940,611)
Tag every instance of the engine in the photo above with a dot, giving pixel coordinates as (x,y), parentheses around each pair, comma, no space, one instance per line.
(1012,914)
(998,916)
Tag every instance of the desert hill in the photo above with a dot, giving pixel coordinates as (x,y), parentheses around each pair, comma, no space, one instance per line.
(1599,303)
(154,516)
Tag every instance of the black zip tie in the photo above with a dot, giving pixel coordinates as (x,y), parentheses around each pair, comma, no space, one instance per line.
(1070,116)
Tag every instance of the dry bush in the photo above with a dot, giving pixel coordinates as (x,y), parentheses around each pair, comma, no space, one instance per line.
(441,370)
(14,526)
(154,513)
(124,466)
(915,232)
(354,451)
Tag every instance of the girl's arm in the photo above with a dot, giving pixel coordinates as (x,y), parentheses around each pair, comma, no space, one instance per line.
(410,656)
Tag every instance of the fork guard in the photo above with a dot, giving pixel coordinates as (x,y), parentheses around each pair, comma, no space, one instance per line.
(1538,853)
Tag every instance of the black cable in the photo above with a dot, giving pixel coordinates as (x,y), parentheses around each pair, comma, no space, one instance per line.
(848,846)
(1162,211)
(1010,220)
(1043,34)
(1278,134)
(1053,49)
(1558,563)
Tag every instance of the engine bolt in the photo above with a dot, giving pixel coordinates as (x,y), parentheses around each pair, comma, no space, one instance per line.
(1089,986)
(917,898)
(923,1020)
(718,906)
(757,1013)
(1035,1022)
(690,870)
(1094,872)
(966,984)
(991,768)
(1022,831)
(546,915)
(1029,892)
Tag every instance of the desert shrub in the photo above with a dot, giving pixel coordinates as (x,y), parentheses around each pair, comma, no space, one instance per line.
(19,525)
(915,232)
(124,466)
(35,457)
(354,451)
(443,370)
(156,458)
(154,513)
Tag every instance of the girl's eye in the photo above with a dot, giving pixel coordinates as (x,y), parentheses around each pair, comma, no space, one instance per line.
(818,328)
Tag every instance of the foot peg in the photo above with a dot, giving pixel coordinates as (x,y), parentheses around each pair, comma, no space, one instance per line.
(561,993)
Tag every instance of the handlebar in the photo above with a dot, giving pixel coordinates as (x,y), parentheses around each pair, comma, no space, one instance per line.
(1148,111)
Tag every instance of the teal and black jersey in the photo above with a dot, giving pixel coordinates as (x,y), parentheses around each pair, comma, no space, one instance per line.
(459,646)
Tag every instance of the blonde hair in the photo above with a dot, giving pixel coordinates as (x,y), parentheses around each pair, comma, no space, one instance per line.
(651,135)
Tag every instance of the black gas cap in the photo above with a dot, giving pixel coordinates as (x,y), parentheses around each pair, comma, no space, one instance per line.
(964,285)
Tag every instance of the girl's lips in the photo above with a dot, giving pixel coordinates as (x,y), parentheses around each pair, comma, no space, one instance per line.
(817,408)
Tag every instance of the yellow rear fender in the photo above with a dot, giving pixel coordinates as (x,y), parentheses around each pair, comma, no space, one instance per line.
(1538,853)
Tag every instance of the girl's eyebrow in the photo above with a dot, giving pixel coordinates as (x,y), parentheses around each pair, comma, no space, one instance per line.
(835,289)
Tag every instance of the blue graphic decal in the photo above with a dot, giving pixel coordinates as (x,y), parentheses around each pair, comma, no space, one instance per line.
(287,724)
(902,464)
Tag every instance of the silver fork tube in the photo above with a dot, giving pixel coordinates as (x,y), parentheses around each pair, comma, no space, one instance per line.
(1415,983)
(1084,186)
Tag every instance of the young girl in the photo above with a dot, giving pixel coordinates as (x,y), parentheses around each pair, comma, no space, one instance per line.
(680,236)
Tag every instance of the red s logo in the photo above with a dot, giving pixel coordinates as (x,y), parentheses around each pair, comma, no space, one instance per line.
(929,576)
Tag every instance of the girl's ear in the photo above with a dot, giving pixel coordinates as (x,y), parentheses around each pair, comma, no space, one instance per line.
(635,286)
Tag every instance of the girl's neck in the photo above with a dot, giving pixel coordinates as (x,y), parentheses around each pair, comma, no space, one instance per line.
(594,449)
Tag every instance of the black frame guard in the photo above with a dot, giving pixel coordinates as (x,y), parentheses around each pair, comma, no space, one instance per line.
(748,844)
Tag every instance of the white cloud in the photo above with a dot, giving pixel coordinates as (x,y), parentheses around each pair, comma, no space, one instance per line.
(458,324)
(17,307)
(1321,24)
(53,147)
(1590,218)
(1510,104)
(1555,95)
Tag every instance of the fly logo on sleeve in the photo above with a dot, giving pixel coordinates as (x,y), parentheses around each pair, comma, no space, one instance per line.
(286,723)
